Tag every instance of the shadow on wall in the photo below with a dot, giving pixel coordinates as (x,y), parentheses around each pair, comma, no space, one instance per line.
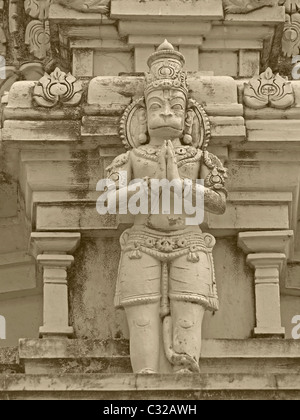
(23,318)
(92,283)
(236,317)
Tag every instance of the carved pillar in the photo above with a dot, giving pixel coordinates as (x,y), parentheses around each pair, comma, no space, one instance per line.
(50,250)
(268,268)
(267,254)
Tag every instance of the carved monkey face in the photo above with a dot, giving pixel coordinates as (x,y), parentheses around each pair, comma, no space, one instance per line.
(166,111)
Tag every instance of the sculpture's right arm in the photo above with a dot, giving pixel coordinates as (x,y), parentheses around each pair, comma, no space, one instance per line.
(119,177)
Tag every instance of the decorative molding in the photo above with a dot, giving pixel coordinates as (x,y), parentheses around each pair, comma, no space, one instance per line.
(245,6)
(53,243)
(269,90)
(267,254)
(13,26)
(3,38)
(87,6)
(58,87)
(37,34)
(37,9)
(291,6)
(291,35)
(281,242)
(13,16)
(38,38)
(53,248)
(268,269)
(24,22)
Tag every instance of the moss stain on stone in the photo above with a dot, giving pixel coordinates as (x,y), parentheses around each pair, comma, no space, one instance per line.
(80,170)
(78,277)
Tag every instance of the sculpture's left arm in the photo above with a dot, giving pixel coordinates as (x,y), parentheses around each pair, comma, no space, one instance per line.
(214,175)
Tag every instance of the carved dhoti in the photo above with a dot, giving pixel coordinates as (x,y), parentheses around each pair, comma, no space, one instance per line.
(159,266)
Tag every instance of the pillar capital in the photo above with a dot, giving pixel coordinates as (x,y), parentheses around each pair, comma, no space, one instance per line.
(267,261)
(279,242)
(55,261)
(53,243)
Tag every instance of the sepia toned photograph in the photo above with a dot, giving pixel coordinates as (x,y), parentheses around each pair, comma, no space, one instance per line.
(149,202)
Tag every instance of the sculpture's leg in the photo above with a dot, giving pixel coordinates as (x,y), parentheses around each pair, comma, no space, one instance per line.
(187,329)
(145,337)
(188,279)
(139,282)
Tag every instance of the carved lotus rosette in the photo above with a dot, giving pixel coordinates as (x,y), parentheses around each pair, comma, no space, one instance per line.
(56,88)
(269,90)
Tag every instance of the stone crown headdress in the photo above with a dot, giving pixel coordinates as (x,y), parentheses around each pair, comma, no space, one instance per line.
(166,70)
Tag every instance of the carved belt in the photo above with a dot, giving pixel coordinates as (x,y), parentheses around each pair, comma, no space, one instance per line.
(166,246)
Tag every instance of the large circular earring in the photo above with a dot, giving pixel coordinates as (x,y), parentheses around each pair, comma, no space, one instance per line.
(188,129)
(143,137)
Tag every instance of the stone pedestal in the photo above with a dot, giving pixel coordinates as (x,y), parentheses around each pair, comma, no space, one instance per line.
(268,253)
(51,250)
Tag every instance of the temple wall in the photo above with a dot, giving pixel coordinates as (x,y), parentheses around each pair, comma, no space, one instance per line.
(92,286)
(92,291)
(219,63)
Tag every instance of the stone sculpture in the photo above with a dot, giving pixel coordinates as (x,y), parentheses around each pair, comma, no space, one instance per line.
(166,278)
(270,90)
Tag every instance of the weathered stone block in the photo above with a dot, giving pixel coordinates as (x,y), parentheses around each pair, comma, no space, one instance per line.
(167,10)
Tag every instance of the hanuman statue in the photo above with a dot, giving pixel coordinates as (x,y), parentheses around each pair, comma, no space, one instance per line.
(166,278)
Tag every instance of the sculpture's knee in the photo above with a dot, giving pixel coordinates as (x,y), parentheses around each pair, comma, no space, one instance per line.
(142,321)
(187,322)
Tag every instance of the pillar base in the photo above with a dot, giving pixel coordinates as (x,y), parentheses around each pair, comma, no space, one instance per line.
(56,332)
(269,333)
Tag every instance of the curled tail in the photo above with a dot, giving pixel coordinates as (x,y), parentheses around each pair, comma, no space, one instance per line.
(176,359)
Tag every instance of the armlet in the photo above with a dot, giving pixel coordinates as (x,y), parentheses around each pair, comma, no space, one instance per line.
(117,164)
(218,174)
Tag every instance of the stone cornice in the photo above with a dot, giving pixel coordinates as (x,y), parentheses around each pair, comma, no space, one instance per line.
(105,99)
(280,242)
(54,243)
(187,10)
(98,116)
